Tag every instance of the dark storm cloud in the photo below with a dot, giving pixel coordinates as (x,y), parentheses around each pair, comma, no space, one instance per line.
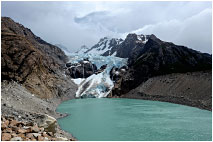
(76,23)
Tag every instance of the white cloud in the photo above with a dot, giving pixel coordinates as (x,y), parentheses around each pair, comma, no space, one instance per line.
(184,23)
(194,32)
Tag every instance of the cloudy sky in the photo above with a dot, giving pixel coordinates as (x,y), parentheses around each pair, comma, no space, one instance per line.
(77,23)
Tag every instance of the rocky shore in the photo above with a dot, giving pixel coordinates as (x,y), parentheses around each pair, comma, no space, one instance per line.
(18,104)
(13,130)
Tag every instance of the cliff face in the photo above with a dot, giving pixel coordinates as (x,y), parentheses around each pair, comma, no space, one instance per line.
(29,60)
(131,47)
(159,58)
(163,71)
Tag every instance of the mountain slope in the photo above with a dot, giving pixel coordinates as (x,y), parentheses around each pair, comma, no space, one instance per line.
(106,47)
(131,46)
(192,88)
(82,50)
(32,62)
(157,57)
(63,48)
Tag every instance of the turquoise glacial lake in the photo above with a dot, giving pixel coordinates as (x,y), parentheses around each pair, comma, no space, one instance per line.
(134,120)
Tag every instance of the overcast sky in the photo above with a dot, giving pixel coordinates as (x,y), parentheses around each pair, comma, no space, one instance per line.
(73,24)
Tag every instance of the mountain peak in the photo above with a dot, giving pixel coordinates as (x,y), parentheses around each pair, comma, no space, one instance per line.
(139,38)
(106,46)
(82,49)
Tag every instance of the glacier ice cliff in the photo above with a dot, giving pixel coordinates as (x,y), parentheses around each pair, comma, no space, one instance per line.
(97,85)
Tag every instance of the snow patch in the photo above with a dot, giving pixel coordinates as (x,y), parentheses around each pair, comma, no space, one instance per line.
(78,80)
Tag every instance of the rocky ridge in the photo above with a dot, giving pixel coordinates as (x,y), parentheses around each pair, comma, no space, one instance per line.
(159,58)
(156,58)
(32,62)
(64,48)
(118,47)
(105,47)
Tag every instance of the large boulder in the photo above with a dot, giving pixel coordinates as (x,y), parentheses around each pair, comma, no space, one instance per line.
(49,123)
(83,69)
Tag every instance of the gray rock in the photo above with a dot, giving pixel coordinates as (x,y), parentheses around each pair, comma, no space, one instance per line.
(16,139)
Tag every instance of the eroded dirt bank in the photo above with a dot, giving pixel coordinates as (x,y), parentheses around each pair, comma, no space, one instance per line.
(192,89)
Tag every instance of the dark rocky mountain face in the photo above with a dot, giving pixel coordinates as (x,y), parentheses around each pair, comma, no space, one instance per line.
(83,69)
(132,46)
(55,53)
(157,57)
(29,60)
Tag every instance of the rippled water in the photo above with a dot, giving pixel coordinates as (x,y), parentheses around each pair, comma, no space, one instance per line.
(130,119)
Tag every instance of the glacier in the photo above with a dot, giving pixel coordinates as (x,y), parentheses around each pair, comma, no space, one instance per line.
(97,85)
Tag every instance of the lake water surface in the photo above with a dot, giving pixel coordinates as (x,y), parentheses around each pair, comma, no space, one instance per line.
(131,119)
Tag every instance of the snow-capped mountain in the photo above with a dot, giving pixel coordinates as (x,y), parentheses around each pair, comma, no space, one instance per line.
(143,38)
(117,46)
(82,50)
(132,45)
(106,47)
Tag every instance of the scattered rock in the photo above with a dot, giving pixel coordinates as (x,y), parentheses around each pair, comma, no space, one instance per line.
(19,131)
(16,139)
(61,139)
(21,135)
(3,126)
(46,139)
(5,136)
(30,135)
(49,124)
(45,134)
(14,135)
(22,131)
(14,123)
(36,135)
(40,138)
(7,130)
(35,128)
(50,133)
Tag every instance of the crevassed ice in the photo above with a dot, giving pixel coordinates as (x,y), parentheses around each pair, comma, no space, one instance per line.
(97,85)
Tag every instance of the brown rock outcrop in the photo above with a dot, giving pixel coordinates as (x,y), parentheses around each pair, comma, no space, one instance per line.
(32,62)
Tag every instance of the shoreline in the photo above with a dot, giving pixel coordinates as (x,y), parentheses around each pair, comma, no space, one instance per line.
(192,89)
(17,102)
(63,115)
(126,98)
(172,102)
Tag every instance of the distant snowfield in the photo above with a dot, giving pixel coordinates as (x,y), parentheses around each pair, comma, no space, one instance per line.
(96,85)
